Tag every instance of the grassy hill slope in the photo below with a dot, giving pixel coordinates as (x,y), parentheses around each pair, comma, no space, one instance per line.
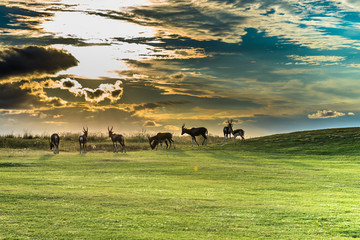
(302,185)
(334,141)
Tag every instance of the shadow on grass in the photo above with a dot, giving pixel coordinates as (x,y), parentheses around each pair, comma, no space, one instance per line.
(10,164)
(46,157)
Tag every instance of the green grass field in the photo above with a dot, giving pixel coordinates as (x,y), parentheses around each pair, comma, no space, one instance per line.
(301,185)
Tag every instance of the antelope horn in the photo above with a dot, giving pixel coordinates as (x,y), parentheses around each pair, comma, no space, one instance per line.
(183,125)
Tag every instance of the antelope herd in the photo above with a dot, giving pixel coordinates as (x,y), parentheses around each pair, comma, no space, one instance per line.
(154,141)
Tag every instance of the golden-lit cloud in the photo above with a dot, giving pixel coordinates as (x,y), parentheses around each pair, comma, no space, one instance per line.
(36,89)
(150,123)
(185,53)
(57,116)
(325,114)
(316,60)
(112,92)
(54,123)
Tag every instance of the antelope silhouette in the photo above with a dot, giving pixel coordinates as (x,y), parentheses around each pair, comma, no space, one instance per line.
(83,140)
(193,132)
(117,138)
(54,142)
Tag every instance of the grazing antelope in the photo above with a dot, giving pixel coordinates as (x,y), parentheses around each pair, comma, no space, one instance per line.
(155,144)
(160,137)
(115,138)
(83,140)
(237,132)
(54,143)
(193,132)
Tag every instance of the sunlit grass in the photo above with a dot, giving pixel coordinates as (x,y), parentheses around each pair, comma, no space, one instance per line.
(222,191)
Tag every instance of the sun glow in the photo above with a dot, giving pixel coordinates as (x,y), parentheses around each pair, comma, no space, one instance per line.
(94,29)
(103,54)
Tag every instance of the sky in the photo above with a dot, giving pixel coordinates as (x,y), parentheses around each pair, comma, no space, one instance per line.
(147,66)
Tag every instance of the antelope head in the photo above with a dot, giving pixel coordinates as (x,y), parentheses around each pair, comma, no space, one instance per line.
(149,138)
(85,131)
(182,129)
(110,131)
(155,143)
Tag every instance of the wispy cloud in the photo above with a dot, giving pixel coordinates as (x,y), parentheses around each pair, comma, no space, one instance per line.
(316,60)
(297,22)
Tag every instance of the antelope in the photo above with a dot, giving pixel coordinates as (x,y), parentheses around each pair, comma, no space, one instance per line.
(193,132)
(227,132)
(54,143)
(155,143)
(83,140)
(237,132)
(159,138)
(115,138)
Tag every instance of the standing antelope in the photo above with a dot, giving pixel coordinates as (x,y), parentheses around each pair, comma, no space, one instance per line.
(159,138)
(54,143)
(115,138)
(83,140)
(227,132)
(193,132)
(237,132)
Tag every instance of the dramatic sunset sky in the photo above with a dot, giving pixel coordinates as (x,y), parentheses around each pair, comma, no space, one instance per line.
(152,65)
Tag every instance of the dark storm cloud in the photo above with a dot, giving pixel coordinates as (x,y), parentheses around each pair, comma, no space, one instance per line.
(68,84)
(13,97)
(116,93)
(32,59)
(11,17)
(94,94)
